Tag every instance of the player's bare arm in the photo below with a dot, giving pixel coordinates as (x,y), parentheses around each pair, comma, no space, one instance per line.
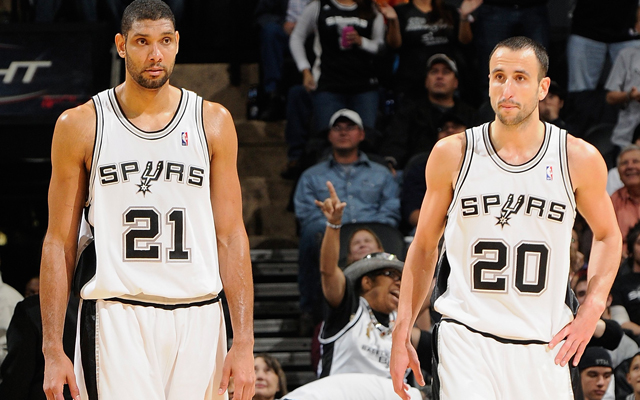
(441,174)
(589,177)
(233,247)
(333,279)
(71,152)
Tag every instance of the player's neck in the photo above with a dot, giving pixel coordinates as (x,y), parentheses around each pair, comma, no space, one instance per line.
(136,100)
(517,144)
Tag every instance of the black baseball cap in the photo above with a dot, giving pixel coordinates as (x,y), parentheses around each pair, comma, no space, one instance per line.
(595,357)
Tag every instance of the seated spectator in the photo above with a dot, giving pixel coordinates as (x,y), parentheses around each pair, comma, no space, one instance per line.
(349,387)
(633,377)
(362,242)
(368,188)
(421,28)
(414,128)
(32,287)
(596,371)
(362,304)
(271,382)
(551,105)
(625,308)
(613,179)
(348,35)
(598,29)
(623,90)
(626,200)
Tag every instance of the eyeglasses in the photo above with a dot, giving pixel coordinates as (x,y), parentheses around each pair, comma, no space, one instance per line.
(382,256)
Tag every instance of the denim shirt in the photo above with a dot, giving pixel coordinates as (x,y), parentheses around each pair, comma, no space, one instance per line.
(368,189)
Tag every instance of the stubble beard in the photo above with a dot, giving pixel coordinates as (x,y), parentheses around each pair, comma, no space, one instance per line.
(148,83)
(522,116)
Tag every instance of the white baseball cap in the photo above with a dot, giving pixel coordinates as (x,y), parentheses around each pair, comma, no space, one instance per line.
(348,114)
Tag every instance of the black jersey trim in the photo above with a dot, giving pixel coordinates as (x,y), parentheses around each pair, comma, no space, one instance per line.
(199,114)
(88,347)
(149,135)
(341,332)
(464,168)
(435,361)
(494,337)
(516,168)
(443,270)
(564,167)
(97,146)
(164,306)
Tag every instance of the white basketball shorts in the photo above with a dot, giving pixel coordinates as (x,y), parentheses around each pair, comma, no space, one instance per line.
(473,366)
(127,350)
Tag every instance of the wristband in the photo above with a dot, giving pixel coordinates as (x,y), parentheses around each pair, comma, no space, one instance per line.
(334,226)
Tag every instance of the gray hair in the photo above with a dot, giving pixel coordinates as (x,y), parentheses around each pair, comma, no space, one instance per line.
(627,149)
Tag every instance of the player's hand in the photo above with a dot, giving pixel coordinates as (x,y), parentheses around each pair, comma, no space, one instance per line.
(58,370)
(332,207)
(239,364)
(576,335)
(403,356)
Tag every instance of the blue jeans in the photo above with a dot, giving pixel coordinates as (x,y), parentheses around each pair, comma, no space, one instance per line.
(325,104)
(309,267)
(296,132)
(586,58)
(494,24)
(274,43)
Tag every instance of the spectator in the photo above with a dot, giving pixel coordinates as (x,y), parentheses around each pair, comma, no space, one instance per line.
(595,372)
(271,382)
(613,179)
(362,302)
(598,28)
(551,105)
(369,189)
(23,368)
(362,242)
(9,297)
(276,19)
(625,308)
(622,87)
(414,128)
(348,35)
(626,200)
(414,185)
(633,377)
(32,287)
(349,387)
(421,28)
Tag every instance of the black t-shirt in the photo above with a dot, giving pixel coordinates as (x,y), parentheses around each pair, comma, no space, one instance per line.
(626,292)
(515,3)
(604,21)
(423,35)
(344,70)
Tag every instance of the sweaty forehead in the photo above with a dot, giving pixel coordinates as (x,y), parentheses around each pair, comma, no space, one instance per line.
(507,60)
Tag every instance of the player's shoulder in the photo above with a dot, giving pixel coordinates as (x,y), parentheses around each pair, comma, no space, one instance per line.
(451,147)
(215,114)
(586,164)
(78,122)
(579,150)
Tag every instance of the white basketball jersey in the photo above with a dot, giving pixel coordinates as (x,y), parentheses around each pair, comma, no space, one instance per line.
(506,265)
(149,206)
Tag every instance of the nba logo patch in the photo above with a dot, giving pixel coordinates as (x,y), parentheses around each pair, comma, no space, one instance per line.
(185,139)
(549,173)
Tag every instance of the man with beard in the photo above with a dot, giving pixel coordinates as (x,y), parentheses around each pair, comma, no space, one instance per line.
(144,188)
(505,195)
(414,128)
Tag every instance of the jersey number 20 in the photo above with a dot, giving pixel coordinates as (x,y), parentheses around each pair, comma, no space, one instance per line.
(141,238)
(489,269)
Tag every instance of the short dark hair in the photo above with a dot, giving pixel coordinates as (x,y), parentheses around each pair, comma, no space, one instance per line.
(153,10)
(521,43)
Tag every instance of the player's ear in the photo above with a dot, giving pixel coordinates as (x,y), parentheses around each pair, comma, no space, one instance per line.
(543,88)
(177,41)
(120,44)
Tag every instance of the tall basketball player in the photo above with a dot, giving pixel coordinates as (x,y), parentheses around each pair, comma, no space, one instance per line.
(145,189)
(505,194)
